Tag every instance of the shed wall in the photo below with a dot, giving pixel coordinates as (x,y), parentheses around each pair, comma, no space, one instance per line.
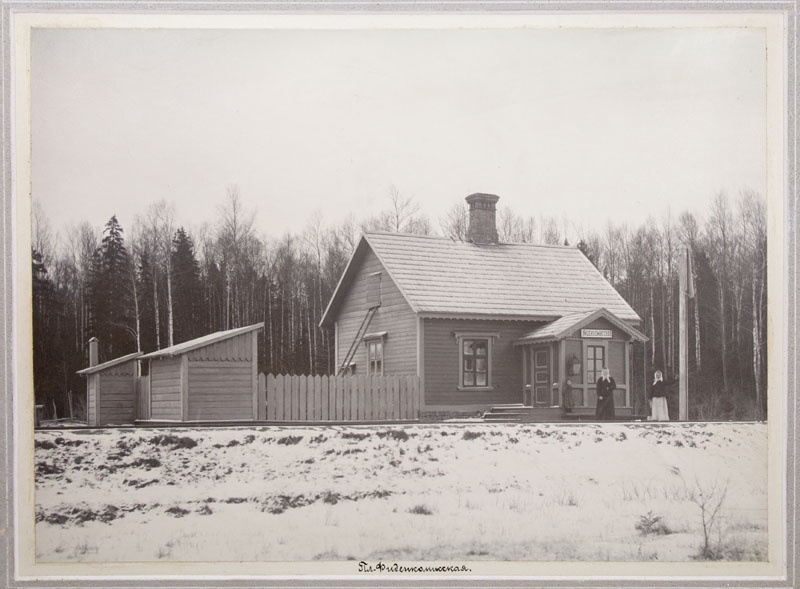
(165,388)
(394,316)
(91,400)
(117,399)
(221,390)
(233,349)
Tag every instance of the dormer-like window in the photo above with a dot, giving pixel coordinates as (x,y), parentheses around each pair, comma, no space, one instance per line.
(374,289)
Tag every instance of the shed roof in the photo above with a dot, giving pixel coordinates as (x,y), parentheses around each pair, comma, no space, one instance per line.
(200,342)
(442,277)
(110,363)
(570,323)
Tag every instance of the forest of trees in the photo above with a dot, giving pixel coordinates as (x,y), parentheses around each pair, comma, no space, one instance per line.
(154,284)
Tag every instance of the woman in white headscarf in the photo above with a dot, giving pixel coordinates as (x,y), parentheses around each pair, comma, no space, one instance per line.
(658,399)
(605,395)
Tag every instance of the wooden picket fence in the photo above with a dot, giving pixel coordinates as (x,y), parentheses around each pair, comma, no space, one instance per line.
(342,398)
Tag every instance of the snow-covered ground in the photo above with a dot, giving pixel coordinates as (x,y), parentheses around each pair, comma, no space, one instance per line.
(618,492)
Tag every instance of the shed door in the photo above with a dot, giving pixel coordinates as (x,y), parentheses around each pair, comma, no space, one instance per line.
(542,381)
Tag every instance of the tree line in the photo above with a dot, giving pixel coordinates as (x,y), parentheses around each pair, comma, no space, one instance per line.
(156,283)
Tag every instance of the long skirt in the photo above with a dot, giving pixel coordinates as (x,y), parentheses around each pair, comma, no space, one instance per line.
(658,409)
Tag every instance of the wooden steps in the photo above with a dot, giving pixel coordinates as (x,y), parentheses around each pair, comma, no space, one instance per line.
(520,413)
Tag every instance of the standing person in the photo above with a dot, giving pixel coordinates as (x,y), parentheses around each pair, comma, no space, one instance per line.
(566,398)
(605,395)
(658,399)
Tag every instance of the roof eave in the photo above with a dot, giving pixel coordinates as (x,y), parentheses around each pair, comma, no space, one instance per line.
(171,353)
(110,364)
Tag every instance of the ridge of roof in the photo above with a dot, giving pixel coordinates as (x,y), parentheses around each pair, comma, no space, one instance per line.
(202,341)
(110,363)
(467,242)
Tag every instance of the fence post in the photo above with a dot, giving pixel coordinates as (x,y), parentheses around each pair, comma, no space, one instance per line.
(302,400)
(262,396)
(280,398)
(323,398)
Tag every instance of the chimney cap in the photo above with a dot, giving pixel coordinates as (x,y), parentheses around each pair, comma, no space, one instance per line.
(482,197)
(93,339)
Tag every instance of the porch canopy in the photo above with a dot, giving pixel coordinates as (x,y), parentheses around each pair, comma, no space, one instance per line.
(569,324)
(577,346)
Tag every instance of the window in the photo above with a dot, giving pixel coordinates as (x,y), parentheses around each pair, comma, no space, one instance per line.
(595,361)
(475,362)
(375,356)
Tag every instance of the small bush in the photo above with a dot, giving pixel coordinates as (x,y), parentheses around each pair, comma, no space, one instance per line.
(651,524)
(45,468)
(174,441)
(394,434)
(177,511)
(148,463)
(420,509)
(290,440)
(249,439)
(320,438)
(43,445)
(353,436)
(469,435)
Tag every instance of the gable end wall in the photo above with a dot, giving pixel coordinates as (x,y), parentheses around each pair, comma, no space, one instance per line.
(394,316)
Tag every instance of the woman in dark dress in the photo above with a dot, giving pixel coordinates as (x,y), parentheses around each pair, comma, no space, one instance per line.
(605,395)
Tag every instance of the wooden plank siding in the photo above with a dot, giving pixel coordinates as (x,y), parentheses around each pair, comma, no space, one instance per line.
(165,389)
(91,401)
(220,391)
(441,362)
(116,403)
(394,316)
(238,348)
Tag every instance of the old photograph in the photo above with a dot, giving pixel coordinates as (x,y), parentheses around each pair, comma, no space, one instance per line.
(397,296)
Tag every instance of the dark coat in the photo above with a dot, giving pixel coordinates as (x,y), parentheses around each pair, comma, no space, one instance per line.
(605,398)
(659,389)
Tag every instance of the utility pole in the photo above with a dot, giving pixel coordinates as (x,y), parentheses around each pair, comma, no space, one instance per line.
(686,291)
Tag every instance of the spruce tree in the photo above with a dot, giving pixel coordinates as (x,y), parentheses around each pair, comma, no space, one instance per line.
(187,288)
(112,317)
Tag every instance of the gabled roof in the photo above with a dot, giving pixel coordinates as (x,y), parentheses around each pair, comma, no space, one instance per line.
(570,323)
(200,342)
(442,277)
(110,363)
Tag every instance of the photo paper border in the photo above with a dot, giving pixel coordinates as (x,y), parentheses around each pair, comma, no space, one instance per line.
(16,441)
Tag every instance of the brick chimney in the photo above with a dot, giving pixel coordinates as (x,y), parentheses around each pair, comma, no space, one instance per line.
(482,218)
(93,356)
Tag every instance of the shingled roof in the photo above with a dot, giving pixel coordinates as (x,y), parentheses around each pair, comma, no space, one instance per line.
(442,277)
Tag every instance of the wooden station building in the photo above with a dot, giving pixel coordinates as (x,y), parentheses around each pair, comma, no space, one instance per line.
(482,323)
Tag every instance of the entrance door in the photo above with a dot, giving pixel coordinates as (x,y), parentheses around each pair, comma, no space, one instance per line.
(542,381)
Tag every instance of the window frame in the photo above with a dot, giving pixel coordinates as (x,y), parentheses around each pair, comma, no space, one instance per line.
(593,369)
(370,340)
(489,339)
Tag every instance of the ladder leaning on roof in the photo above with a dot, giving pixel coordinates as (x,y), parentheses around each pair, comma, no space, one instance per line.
(357,340)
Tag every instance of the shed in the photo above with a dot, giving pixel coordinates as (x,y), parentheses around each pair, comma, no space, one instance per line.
(111,390)
(211,378)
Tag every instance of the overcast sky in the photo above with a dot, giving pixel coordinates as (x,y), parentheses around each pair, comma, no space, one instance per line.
(592,124)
